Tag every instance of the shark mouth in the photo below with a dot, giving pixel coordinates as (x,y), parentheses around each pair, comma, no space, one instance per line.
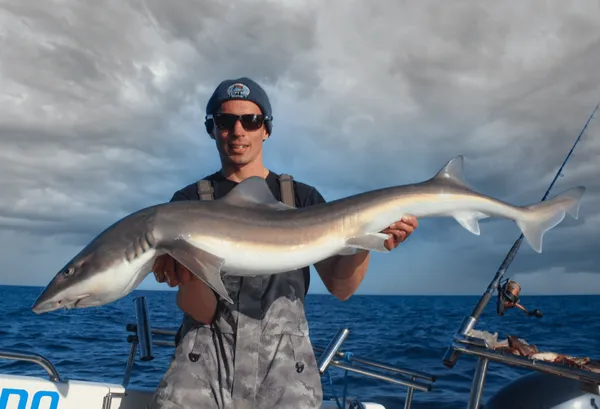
(77,302)
(50,305)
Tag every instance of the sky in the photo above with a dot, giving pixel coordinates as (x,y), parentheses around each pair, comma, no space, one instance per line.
(102,107)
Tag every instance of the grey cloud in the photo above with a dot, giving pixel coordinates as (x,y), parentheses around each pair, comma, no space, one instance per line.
(265,41)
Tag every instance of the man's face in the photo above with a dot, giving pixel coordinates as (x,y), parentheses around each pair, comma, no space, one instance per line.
(237,145)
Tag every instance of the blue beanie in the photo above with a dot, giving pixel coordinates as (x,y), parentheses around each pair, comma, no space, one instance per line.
(241,88)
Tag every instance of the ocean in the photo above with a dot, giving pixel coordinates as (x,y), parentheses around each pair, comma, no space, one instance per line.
(411,332)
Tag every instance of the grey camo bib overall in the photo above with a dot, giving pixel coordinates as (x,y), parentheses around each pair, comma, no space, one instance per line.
(255,355)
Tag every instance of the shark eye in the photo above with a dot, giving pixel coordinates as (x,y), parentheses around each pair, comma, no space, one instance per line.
(68,272)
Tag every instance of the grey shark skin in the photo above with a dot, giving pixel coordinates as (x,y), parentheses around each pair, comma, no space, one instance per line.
(249,232)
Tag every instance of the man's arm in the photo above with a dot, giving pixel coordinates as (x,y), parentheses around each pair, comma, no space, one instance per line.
(342,275)
(196,299)
(193,296)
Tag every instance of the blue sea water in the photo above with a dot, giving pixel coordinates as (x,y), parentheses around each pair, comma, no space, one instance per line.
(412,332)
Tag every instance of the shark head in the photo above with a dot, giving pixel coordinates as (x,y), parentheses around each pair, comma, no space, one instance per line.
(76,283)
(105,270)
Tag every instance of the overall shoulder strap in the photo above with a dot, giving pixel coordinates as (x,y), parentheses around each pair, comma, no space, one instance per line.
(205,189)
(286,183)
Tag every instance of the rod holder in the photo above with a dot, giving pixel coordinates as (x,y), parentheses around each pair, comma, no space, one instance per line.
(331,349)
(144,335)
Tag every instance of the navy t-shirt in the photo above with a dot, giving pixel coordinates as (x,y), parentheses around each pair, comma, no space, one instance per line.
(305,195)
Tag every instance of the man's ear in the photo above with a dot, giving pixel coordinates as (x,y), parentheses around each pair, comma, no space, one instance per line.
(209,126)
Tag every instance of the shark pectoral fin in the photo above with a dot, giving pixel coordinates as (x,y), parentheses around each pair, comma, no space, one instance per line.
(371,241)
(349,251)
(204,265)
(470,220)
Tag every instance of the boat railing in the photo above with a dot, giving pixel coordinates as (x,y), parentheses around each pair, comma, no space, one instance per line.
(143,340)
(34,358)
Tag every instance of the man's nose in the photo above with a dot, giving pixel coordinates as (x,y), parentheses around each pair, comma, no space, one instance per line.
(238,129)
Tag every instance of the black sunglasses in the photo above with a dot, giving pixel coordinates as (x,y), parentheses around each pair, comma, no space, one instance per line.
(250,122)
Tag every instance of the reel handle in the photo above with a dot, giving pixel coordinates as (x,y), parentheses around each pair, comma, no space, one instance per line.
(508,297)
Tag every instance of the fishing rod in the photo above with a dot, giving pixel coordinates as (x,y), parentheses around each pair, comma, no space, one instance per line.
(484,300)
(508,296)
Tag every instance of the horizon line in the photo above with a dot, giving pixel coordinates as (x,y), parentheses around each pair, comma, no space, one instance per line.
(432,294)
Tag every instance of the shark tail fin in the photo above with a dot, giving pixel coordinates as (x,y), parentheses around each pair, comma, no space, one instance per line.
(543,216)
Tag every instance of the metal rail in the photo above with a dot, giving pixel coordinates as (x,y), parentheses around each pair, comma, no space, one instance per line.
(329,352)
(408,372)
(528,363)
(34,358)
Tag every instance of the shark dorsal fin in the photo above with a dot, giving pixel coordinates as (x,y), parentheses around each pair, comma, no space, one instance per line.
(254,192)
(452,172)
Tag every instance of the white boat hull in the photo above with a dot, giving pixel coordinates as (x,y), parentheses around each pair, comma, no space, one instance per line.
(30,392)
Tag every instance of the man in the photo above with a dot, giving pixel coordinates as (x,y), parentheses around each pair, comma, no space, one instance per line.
(255,353)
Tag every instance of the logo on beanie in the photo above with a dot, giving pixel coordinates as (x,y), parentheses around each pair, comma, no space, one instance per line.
(238,90)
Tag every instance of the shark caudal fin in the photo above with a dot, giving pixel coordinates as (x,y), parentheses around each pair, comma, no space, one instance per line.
(543,216)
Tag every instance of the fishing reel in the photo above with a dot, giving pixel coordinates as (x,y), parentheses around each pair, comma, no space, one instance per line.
(508,297)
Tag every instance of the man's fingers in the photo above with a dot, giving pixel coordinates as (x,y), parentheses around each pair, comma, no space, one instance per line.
(164,269)
(411,221)
(160,277)
(399,231)
(389,243)
(158,268)
(171,279)
(178,275)
(403,227)
(406,228)
(171,272)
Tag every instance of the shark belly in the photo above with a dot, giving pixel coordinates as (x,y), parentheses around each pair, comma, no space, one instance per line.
(245,258)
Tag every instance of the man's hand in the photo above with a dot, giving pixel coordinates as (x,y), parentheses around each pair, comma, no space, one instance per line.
(400,231)
(193,296)
(167,269)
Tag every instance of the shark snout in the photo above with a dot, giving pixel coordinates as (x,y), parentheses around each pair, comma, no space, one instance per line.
(43,305)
